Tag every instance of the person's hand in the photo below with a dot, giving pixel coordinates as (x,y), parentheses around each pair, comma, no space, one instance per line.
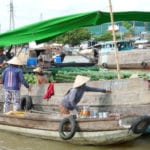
(108,91)
(2,65)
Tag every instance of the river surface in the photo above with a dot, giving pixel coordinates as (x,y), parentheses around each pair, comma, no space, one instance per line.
(11,141)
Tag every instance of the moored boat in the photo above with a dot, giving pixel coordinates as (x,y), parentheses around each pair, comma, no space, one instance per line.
(44,120)
(82,131)
(129,57)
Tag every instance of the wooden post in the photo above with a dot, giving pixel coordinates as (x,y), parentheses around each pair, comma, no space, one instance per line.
(114,39)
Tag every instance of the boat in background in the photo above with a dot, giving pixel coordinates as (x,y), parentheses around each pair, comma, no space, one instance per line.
(129,56)
(144,44)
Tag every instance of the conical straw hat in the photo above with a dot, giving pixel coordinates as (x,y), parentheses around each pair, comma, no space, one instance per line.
(80,80)
(38,69)
(15,61)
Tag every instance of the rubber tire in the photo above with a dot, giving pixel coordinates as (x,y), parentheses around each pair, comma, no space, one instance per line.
(62,124)
(26,103)
(105,65)
(144,64)
(140,125)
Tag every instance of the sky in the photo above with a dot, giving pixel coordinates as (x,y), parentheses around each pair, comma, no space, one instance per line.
(31,11)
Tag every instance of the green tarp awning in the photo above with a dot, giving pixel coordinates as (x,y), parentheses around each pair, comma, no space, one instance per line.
(46,30)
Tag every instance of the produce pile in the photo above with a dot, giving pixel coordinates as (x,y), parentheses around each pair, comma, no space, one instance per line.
(30,78)
(68,74)
(95,73)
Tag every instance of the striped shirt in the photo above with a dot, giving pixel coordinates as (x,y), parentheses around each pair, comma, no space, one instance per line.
(12,78)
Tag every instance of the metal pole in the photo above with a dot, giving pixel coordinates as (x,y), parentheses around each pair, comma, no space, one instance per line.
(11,17)
(114,39)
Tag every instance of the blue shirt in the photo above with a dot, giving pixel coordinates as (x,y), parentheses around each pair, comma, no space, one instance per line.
(12,78)
(73,97)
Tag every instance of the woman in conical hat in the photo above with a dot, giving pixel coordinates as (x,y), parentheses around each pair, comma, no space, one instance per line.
(80,80)
(74,95)
(12,78)
(15,61)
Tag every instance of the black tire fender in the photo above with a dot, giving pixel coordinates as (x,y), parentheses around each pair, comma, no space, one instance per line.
(144,64)
(105,65)
(26,103)
(66,135)
(140,125)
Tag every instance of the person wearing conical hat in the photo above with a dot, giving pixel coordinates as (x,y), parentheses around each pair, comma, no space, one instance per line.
(40,78)
(74,95)
(12,78)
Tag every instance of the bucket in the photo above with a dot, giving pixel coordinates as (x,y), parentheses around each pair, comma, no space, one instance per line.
(57,59)
(32,62)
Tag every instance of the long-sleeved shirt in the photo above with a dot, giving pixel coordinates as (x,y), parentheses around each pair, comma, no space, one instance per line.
(73,97)
(12,78)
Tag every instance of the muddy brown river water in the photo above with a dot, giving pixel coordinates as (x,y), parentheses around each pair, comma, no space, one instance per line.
(10,141)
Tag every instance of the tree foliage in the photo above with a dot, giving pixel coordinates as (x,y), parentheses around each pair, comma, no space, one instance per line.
(129,27)
(107,36)
(74,37)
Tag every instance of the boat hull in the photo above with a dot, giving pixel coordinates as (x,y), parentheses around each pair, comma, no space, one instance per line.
(133,59)
(89,131)
(80,138)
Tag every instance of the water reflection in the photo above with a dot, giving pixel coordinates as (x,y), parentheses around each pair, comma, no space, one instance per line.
(10,141)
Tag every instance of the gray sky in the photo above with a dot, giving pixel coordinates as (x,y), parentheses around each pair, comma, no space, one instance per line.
(31,11)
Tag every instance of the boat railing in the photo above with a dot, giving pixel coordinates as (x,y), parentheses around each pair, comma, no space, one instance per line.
(121,45)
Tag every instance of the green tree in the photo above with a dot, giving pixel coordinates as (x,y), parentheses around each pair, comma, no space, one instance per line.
(129,27)
(107,36)
(74,37)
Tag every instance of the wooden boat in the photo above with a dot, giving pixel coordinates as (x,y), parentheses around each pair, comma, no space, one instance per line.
(129,58)
(74,64)
(82,131)
(44,121)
